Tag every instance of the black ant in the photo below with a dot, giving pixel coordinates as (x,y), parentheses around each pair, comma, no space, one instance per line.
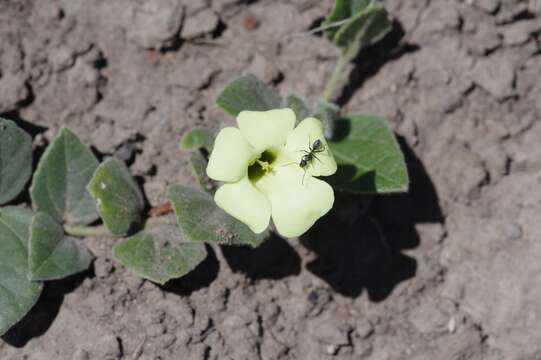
(315,148)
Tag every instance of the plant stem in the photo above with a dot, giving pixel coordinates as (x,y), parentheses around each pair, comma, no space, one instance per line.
(101,230)
(330,88)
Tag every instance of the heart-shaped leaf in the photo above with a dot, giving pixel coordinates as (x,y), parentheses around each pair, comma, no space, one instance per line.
(368,156)
(118,197)
(59,184)
(159,254)
(15,160)
(52,255)
(248,93)
(17,293)
(199,219)
(198,138)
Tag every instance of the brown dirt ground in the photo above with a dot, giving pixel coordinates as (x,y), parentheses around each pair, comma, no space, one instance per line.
(450,270)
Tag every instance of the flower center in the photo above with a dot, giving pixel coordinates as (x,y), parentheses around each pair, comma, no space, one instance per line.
(261,166)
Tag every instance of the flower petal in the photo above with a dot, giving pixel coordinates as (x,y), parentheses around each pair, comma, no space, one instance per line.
(231,156)
(266,129)
(301,139)
(297,201)
(245,203)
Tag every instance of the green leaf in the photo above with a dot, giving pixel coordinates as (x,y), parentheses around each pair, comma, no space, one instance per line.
(17,293)
(159,254)
(342,11)
(328,113)
(198,164)
(299,106)
(199,219)
(198,138)
(52,255)
(366,27)
(248,93)
(118,198)
(59,184)
(15,160)
(368,156)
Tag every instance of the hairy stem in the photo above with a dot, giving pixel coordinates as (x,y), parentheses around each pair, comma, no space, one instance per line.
(330,88)
(101,230)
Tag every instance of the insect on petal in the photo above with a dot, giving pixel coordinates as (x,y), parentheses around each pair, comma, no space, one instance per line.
(301,141)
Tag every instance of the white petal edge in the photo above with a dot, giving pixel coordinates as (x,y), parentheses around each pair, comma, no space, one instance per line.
(296,203)
(245,203)
(266,129)
(300,140)
(231,156)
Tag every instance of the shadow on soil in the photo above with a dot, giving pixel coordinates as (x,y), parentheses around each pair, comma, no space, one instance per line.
(388,49)
(42,315)
(359,245)
(274,259)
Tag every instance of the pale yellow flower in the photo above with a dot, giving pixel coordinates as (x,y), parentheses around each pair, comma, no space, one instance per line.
(260,164)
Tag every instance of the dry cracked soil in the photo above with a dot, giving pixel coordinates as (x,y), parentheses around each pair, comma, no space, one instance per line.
(450,270)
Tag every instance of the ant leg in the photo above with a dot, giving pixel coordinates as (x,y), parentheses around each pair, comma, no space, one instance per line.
(315,157)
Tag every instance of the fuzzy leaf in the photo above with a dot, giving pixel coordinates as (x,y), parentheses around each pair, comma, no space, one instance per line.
(368,156)
(198,164)
(52,255)
(17,293)
(199,219)
(248,93)
(328,113)
(198,138)
(119,200)
(159,254)
(299,106)
(15,160)
(59,184)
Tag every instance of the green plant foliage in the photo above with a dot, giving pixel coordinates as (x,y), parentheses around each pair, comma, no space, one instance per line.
(199,219)
(15,160)
(328,113)
(366,27)
(342,11)
(361,22)
(52,255)
(159,254)
(59,183)
(368,156)
(118,197)
(248,93)
(17,293)
(198,138)
(198,164)
(299,106)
